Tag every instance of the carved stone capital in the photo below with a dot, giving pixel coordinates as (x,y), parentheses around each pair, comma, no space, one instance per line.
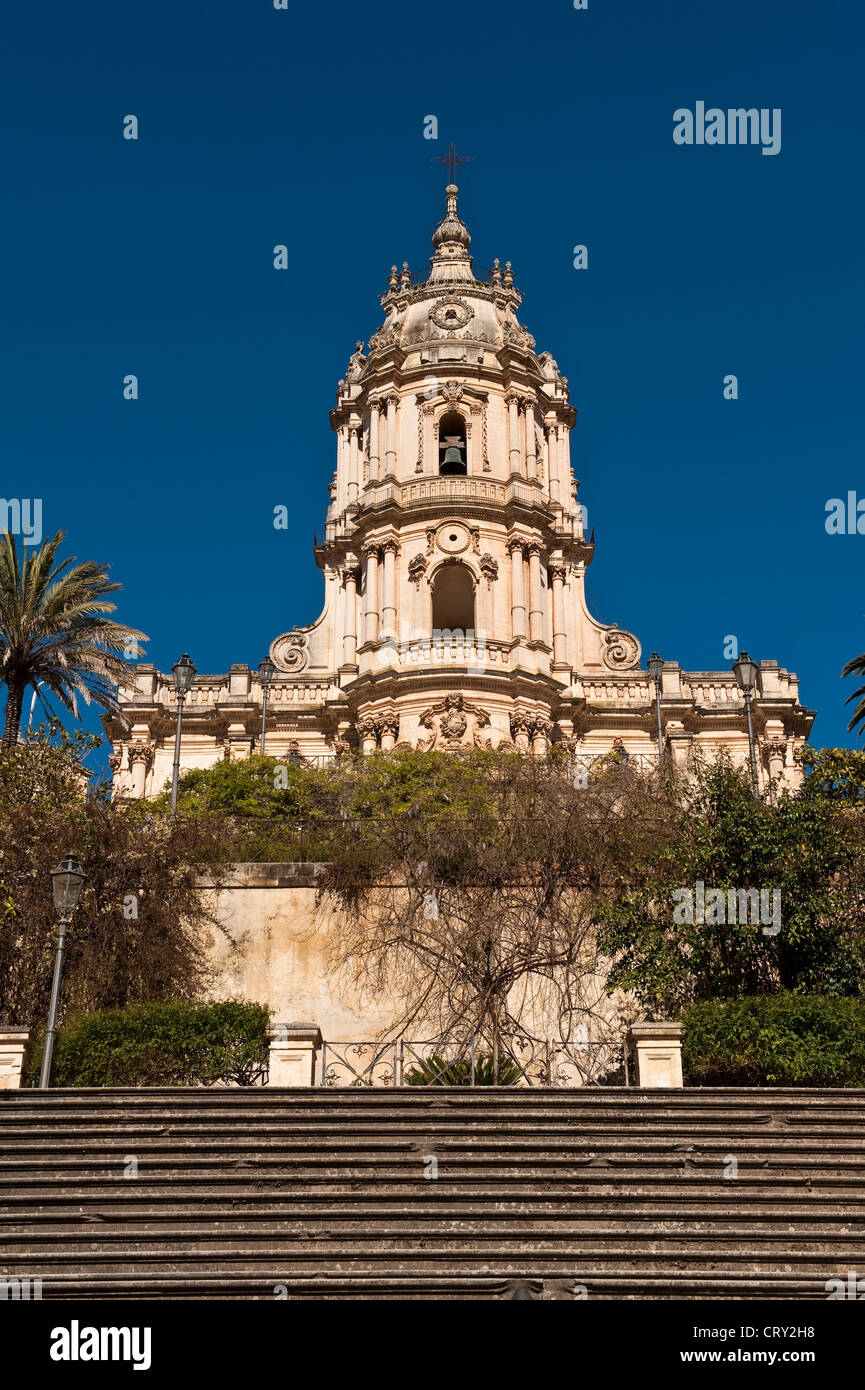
(140,753)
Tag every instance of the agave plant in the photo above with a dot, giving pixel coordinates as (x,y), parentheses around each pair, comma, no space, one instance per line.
(436,1071)
(54,631)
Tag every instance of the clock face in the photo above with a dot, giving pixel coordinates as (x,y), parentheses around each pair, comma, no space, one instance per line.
(451,313)
(453,538)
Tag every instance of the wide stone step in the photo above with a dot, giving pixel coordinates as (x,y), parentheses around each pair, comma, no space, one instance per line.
(323,1192)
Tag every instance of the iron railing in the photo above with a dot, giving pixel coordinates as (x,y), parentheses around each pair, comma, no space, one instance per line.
(518,1061)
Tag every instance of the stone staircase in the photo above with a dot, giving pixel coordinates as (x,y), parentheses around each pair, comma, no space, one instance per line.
(323,1194)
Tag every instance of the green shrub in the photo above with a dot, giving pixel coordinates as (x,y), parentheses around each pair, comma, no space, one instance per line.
(775,1040)
(176,1043)
(436,1071)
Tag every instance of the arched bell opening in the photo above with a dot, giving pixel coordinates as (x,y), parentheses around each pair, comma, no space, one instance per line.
(453,600)
(452,445)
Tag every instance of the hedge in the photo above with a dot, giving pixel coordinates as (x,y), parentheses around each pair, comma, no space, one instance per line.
(175,1043)
(775,1040)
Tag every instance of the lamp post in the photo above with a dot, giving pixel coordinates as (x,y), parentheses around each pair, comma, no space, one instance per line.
(745,671)
(67,880)
(656,666)
(266,673)
(182,671)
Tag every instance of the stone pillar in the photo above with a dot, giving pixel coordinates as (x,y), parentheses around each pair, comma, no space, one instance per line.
(388,608)
(140,758)
(13,1043)
(552,461)
(370,630)
(513,404)
(659,1055)
(563,467)
(540,731)
(349,616)
(390,441)
(389,726)
(374,414)
(560,639)
(367,733)
(293,1047)
(353,464)
(531,443)
(518,589)
(520,729)
(536,610)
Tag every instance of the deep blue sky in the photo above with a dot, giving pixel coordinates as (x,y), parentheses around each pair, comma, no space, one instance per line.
(305,127)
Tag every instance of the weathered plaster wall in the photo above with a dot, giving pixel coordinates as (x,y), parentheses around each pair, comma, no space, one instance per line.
(274,951)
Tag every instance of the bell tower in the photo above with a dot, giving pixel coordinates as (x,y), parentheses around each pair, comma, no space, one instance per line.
(455,551)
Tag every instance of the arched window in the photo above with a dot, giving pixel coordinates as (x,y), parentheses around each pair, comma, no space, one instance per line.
(452,445)
(453,600)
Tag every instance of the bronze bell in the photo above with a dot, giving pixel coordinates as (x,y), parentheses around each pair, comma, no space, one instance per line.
(453,455)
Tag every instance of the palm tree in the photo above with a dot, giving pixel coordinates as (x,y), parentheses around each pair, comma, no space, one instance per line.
(53,631)
(856,667)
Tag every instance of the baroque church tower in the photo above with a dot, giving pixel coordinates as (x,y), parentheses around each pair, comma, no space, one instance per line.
(454,561)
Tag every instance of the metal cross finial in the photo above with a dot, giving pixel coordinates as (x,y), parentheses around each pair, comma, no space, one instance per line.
(452,160)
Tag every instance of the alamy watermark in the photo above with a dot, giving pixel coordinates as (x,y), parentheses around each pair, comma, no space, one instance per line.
(731,127)
(22,516)
(720,906)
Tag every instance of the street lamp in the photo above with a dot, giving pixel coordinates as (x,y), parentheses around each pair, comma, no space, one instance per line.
(182,671)
(266,673)
(745,671)
(67,880)
(656,666)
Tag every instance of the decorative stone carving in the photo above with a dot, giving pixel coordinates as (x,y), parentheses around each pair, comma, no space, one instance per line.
(451,313)
(356,363)
(453,538)
(367,727)
(452,392)
(454,723)
(140,753)
(387,724)
(115,759)
(621,650)
(289,652)
(489,568)
(417,569)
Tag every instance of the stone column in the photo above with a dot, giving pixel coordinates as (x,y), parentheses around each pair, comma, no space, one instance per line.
(370,629)
(564,467)
(389,726)
(388,608)
(659,1055)
(560,640)
(531,443)
(140,758)
(367,733)
(518,589)
(540,730)
(390,441)
(293,1047)
(775,751)
(536,601)
(353,464)
(520,729)
(552,461)
(349,616)
(13,1043)
(516,463)
(374,414)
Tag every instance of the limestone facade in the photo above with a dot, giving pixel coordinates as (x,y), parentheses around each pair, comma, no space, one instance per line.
(454,562)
